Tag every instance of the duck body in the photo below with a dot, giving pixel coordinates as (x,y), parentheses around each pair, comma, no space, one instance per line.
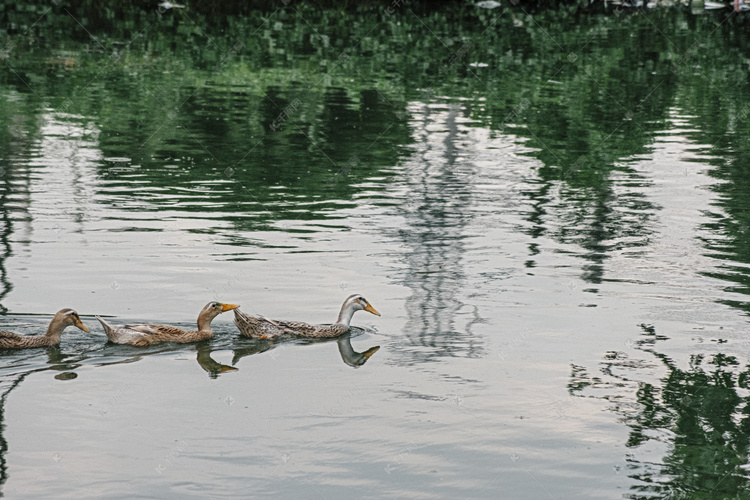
(145,334)
(63,319)
(123,334)
(258,327)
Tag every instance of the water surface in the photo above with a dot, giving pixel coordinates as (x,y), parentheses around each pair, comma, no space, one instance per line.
(548,210)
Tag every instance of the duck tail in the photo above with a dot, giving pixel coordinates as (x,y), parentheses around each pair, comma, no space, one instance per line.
(107,328)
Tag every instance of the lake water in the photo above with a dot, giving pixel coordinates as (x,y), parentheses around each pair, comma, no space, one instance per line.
(549,209)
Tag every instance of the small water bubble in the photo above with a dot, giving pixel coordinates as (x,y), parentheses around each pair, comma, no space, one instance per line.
(229,171)
(229,400)
(286,457)
(114,285)
(56,457)
(572,57)
(514,457)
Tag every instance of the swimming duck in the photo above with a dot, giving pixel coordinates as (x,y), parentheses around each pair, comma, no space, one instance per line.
(146,334)
(63,319)
(261,328)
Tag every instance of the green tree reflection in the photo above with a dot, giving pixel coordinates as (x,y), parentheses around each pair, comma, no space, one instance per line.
(701,413)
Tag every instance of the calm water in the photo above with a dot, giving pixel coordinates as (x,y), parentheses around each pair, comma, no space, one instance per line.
(551,212)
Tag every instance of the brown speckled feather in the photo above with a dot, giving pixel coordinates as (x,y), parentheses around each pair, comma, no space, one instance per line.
(5,334)
(10,340)
(164,333)
(312,331)
(262,328)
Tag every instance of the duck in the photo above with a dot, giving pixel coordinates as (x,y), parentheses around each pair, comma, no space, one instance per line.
(145,334)
(258,327)
(62,319)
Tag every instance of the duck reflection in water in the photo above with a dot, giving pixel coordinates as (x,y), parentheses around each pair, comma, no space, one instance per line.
(350,356)
(346,350)
(213,367)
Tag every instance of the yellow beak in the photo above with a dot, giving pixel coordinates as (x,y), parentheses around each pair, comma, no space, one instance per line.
(228,307)
(80,325)
(371,309)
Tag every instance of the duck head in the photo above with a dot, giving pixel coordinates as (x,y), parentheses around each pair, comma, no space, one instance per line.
(210,311)
(352,304)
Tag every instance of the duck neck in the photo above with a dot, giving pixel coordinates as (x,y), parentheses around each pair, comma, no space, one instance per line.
(204,322)
(54,331)
(345,315)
